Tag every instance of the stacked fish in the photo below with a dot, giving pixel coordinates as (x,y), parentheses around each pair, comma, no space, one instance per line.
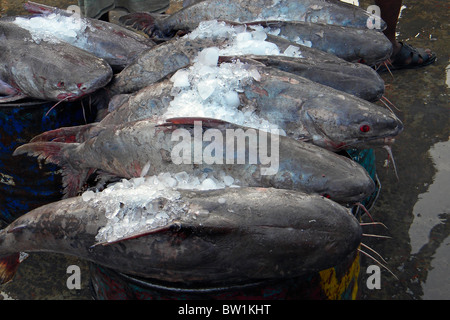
(216,160)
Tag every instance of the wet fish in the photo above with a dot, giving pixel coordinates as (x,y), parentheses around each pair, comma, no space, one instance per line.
(352,78)
(144,147)
(304,109)
(114,43)
(156,63)
(226,236)
(46,70)
(242,11)
(351,44)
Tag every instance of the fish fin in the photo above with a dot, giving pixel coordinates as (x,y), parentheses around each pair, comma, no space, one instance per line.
(8,267)
(6,89)
(208,122)
(142,21)
(54,152)
(12,98)
(34,7)
(75,134)
(17,229)
(137,235)
(8,93)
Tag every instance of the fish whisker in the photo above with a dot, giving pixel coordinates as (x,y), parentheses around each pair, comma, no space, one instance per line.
(369,248)
(371,257)
(360,205)
(387,67)
(375,236)
(54,106)
(389,101)
(391,156)
(373,223)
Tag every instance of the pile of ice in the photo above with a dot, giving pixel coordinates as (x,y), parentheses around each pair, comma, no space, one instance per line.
(147,203)
(244,41)
(208,90)
(54,28)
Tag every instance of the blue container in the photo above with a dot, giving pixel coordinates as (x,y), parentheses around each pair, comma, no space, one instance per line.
(25,182)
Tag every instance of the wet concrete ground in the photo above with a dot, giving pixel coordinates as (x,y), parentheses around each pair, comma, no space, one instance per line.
(415,208)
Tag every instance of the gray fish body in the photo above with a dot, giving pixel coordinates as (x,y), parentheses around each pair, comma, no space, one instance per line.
(352,78)
(350,44)
(125,150)
(302,108)
(317,11)
(48,71)
(225,237)
(114,43)
(158,62)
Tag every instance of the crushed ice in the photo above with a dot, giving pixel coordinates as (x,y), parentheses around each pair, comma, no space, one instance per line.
(211,91)
(55,28)
(244,40)
(206,89)
(147,203)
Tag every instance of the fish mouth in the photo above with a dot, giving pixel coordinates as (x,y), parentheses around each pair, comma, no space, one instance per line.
(69,96)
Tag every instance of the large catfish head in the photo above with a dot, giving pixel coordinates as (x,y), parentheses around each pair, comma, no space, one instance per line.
(336,123)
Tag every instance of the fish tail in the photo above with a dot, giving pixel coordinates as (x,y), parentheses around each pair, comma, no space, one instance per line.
(75,134)
(8,267)
(58,153)
(142,21)
(37,8)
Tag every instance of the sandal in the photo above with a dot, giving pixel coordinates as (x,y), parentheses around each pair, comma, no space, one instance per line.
(408,58)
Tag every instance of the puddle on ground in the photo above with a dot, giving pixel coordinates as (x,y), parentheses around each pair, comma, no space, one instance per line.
(415,208)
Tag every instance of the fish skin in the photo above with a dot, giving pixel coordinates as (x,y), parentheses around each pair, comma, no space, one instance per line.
(156,63)
(188,18)
(242,235)
(309,111)
(109,41)
(350,44)
(124,150)
(48,71)
(353,78)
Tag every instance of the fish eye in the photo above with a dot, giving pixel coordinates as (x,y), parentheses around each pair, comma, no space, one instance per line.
(326,195)
(81,86)
(61,84)
(364,128)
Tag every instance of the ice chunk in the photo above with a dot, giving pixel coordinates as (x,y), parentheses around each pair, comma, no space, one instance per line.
(209,56)
(88,195)
(228,180)
(243,37)
(292,51)
(206,88)
(180,78)
(232,99)
(208,184)
(259,35)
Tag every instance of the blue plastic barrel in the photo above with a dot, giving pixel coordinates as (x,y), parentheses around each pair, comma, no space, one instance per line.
(25,182)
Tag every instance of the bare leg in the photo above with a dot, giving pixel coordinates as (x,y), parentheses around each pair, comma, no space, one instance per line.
(390,10)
